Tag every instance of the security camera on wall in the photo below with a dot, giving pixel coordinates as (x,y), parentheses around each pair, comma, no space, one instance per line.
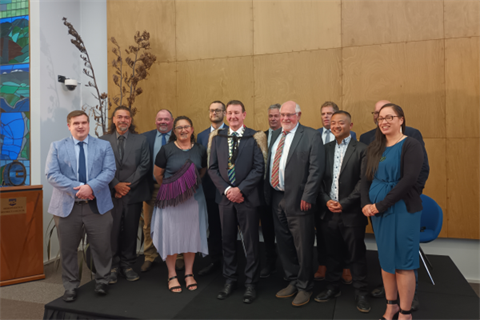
(70,84)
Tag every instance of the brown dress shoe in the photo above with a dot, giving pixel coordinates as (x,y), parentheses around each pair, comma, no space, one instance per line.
(147,265)
(347,276)
(302,298)
(320,274)
(287,292)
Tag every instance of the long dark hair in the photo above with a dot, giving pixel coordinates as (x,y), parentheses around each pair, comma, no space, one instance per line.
(377,147)
(173,136)
(113,128)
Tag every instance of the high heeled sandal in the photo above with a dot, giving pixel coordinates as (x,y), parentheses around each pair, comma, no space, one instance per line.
(173,288)
(405,311)
(392,302)
(193,284)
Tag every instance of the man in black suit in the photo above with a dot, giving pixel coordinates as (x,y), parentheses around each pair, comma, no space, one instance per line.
(342,221)
(266,217)
(129,189)
(216,115)
(156,139)
(295,166)
(367,138)
(236,167)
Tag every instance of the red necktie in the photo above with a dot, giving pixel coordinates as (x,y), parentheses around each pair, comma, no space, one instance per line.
(276,161)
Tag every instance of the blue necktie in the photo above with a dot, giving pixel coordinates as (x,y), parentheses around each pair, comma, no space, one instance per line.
(82,170)
(164,139)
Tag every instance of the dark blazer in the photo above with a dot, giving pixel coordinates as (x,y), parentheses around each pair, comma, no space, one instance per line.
(303,171)
(134,167)
(249,168)
(150,135)
(209,188)
(349,184)
(354,135)
(369,136)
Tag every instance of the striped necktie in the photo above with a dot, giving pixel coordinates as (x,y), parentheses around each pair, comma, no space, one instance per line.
(276,161)
(231,166)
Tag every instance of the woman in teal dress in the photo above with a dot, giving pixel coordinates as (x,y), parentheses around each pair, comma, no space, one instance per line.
(391,197)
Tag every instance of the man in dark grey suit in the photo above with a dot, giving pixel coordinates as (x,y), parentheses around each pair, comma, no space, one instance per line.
(129,189)
(216,115)
(342,221)
(156,139)
(296,161)
(236,167)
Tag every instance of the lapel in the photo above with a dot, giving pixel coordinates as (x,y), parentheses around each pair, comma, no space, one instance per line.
(296,139)
(241,146)
(112,138)
(70,147)
(348,154)
(331,157)
(92,146)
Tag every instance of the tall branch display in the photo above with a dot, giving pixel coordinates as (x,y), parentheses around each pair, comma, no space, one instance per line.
(138,66)
(99,112)
(137,63)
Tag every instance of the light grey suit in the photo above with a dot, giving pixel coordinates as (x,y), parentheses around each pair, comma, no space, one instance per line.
(127,210)
(70,216)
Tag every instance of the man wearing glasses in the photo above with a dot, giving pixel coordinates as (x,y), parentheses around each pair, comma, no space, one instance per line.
(295,166)
(217,115)
(367,138)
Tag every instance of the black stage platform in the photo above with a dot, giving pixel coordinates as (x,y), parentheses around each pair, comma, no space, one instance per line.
(451,298)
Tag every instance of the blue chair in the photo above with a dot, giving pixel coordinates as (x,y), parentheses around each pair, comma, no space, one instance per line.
(430,227)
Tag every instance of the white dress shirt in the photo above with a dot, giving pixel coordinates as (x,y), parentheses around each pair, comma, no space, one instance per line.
(340,150)
(283,160)
(221,127)
(239,134)
(326,133)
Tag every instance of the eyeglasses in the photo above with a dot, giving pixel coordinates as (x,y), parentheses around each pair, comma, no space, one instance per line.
(216,111)
(181,128)
(375,113)
(288,115)
(388,118)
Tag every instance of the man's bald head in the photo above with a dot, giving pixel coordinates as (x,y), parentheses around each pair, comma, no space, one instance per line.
(379,106)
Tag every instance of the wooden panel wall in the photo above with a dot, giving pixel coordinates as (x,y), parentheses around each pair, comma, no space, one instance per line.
(422,55)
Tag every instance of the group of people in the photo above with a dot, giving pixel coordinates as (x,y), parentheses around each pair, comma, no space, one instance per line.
(301,183)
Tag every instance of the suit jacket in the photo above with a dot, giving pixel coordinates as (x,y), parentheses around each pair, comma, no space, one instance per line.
(133,168)
(209,188)
(303,171)
(61,172)
(369,136)
(249,167)
(354,135)
(150,136)
(349,183)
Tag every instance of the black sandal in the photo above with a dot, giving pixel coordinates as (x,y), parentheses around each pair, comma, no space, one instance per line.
(392,302)
(193,284)
(405,311)
(173,288)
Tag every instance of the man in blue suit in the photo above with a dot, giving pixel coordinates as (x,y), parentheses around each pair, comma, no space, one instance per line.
(216,115)
(367,138)
(156,139)
(327,110)
(80,168)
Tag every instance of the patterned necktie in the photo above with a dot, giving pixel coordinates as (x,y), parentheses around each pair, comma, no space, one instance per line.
(121,147)
(231,166)
(327,137)
(82,170)
(276,161)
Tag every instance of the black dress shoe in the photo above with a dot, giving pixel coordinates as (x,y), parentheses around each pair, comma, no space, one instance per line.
(415,303)
(378,292)
(130,275)
(101,288)
(327,295)
(267,271)
(212,267)
(250,294)
(70,295)
(362,303)
(113,276)
(227,290)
